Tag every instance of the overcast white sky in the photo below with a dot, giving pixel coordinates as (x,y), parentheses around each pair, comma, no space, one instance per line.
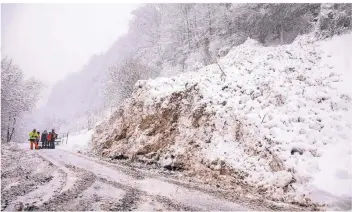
(49,41)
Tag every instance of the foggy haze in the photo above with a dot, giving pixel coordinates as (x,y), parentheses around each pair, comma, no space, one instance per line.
(49,41)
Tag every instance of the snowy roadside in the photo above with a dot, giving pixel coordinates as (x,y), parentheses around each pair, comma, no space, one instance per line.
(82,149)
(97,186)
(79,141)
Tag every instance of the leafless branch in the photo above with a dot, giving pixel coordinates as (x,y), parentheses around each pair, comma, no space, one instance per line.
(223,73)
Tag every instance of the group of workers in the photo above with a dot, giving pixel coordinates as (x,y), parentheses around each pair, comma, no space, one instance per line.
(47,139)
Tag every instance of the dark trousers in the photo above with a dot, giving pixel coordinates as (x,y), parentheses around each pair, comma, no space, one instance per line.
(44,144)
(52,144)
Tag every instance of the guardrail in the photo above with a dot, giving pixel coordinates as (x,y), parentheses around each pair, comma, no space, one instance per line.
(61,140)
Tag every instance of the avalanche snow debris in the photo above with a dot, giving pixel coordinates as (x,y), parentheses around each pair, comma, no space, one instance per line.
(274,102)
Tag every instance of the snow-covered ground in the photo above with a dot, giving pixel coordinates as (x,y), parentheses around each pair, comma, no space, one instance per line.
(278,117)
(78,141)
(62,180)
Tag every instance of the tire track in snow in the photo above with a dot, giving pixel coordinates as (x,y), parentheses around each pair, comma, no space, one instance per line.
(253,203)
(42,193)
(173,188)
(156,188)
(77,180)
(140,174)
(137,194)
(62,200)
(28,185)
(70,176)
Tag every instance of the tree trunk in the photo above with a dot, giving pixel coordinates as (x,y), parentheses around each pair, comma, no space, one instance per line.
(10,134)
(195,31)
(209,22)
(188,29)
(8,130)
(281,35)
(160,52)
(207,59)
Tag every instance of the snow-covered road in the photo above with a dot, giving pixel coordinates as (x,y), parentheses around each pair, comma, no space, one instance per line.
(83,183)
(153,187)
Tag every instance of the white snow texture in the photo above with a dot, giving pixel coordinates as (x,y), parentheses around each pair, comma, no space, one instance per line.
(293,101)
(78,142)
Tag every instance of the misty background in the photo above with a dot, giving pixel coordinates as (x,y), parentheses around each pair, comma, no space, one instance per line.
(51,41)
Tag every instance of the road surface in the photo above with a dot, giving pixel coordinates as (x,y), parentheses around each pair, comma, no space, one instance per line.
(70,181)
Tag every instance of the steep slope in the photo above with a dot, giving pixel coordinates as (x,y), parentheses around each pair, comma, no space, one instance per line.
(271,119)
(174,38)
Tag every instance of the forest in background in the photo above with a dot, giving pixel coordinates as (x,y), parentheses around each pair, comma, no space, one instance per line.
(165,40)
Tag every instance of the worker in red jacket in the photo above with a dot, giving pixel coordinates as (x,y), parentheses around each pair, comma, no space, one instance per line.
(48,139)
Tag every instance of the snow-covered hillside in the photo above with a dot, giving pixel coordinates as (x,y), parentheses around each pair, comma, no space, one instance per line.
(275,119)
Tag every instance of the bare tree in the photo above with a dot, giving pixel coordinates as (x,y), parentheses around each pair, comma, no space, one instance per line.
(17,97)
(122,78)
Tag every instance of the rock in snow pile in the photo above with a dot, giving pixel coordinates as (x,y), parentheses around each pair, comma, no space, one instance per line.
(276,119)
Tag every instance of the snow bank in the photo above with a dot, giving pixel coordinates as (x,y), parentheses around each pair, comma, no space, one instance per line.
(276,119)
(78,142)
(333,184)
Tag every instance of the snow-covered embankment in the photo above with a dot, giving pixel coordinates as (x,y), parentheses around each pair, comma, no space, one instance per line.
(276,120)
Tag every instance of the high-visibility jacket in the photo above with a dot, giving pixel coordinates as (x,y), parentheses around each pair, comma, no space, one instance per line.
(33,135)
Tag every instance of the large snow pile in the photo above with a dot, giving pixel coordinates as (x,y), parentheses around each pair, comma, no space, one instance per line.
(275,119)
(79,141)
